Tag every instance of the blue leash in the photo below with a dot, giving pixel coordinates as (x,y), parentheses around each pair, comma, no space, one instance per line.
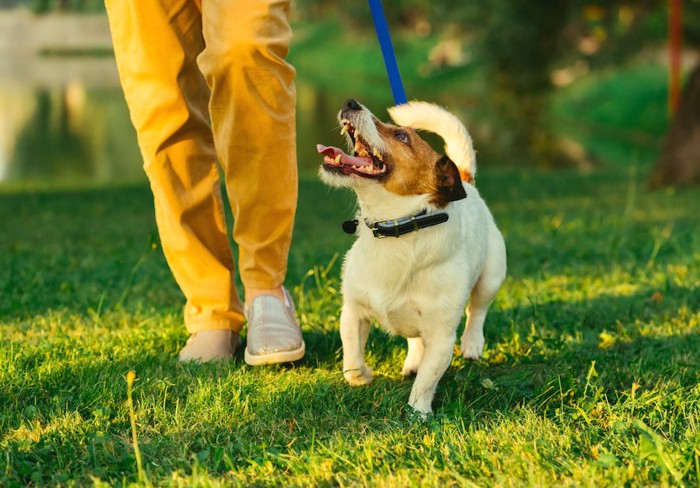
(392,67)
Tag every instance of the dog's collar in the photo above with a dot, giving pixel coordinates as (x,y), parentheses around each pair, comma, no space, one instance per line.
(400,226)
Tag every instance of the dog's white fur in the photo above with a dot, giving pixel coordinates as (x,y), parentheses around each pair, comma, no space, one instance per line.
(430,117)
(417,285)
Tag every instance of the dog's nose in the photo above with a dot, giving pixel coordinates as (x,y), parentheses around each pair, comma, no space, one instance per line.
(352,104)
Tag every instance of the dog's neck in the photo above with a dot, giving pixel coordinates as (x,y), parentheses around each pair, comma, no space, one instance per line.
(376,203)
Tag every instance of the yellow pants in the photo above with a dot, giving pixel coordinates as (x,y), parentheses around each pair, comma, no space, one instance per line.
(206,81)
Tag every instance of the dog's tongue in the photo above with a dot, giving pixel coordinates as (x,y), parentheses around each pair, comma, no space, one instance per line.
(333,152)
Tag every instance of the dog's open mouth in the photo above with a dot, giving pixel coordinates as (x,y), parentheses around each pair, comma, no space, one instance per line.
(365,161)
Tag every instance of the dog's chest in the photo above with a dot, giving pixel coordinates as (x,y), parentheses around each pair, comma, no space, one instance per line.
(405,321)
(397,284)
(405,312)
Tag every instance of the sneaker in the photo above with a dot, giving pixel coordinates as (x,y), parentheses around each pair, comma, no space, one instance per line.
(209,345)
(274,335)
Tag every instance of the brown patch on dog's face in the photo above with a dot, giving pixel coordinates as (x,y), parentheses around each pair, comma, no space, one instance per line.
(414,168)
(395,157)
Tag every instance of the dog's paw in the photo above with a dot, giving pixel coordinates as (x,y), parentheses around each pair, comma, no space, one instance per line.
(472,348)
(359,376)
(419,413)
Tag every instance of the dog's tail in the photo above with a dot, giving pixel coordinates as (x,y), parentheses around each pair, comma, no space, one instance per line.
(430,117)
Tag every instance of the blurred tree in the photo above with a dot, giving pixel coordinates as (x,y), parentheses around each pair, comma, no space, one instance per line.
(524,44)
(679,163)
(680,160)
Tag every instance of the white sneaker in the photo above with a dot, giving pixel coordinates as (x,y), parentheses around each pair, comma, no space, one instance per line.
(274,335)
(210,345)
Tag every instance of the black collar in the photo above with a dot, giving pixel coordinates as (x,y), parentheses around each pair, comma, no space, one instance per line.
(400,226)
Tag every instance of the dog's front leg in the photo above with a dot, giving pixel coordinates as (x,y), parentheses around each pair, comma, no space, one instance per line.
(354,329)
(437,355)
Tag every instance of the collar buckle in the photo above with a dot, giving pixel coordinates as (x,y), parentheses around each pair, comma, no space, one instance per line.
(374,227)
(404,225)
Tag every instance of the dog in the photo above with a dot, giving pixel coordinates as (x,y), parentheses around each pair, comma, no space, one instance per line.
(426,241)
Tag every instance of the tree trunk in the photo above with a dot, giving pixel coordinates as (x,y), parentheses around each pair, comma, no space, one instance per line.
(680,160)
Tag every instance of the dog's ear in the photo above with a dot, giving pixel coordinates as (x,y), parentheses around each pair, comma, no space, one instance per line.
(449,183)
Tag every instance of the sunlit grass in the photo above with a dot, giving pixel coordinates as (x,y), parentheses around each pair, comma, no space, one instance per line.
(590,373)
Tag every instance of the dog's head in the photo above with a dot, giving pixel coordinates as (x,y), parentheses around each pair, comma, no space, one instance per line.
(396,157)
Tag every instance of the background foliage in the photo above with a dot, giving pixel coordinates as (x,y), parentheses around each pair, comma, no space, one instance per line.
(520,47)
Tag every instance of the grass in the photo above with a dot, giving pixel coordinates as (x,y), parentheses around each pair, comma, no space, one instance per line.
(619,116)
(590,375)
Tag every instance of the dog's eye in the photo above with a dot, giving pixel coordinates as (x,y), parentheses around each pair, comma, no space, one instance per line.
(401,136)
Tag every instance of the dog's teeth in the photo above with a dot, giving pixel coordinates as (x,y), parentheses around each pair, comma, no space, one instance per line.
(377,154)
(337,159)
(344,130)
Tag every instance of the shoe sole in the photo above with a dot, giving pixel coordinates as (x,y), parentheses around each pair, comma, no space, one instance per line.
(275,357)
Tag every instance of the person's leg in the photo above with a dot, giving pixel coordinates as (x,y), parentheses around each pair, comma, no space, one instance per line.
(253,119)
(156,44)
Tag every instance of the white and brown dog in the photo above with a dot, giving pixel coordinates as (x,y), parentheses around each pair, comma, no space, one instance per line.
(426,241)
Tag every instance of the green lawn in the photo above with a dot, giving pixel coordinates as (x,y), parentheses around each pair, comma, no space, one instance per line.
(590,377)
